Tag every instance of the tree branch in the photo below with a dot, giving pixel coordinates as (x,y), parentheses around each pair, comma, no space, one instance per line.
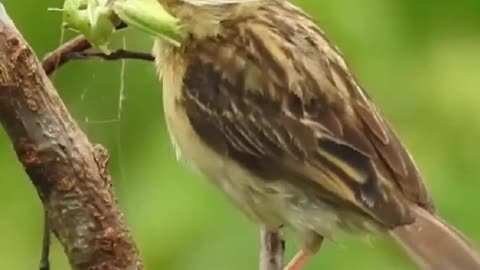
(69,173)
(115,55)
(61,55)
(76,49)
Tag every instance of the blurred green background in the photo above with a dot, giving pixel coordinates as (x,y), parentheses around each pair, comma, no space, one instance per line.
(419,60)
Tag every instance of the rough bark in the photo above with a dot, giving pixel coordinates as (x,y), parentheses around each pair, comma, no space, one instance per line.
(69,173)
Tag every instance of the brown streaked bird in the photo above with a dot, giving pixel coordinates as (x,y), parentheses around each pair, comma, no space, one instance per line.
(259,101)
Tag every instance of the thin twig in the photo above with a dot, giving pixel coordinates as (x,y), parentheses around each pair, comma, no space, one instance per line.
(44,260)
(63,54)
(60,56)
(115,55)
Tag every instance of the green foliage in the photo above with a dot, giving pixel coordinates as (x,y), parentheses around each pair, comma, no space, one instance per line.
(419,60)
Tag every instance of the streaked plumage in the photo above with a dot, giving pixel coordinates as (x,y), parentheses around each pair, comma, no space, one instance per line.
(260,101)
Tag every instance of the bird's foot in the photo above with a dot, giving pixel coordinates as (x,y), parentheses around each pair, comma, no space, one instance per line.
(298,262)
(311,248)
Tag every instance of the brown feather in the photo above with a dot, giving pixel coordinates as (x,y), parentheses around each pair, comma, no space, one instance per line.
(295,100)
(435,245)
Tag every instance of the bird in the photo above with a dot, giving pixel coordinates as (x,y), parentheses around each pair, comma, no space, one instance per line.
(261,102)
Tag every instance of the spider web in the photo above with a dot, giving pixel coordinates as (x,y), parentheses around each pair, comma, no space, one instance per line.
(117,119)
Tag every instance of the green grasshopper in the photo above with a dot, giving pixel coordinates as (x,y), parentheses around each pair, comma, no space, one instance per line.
(96,19)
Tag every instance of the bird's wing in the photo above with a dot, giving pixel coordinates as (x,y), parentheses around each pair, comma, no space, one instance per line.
(287,108)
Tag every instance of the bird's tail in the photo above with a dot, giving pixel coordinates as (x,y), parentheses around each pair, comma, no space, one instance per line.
(435,245)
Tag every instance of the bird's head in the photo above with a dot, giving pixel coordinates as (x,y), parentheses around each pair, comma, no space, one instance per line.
(205,2)
(203,17)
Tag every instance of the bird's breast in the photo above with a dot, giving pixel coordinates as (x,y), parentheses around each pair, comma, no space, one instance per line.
(229,177)
(189,147)
(171,68)
(271,203)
